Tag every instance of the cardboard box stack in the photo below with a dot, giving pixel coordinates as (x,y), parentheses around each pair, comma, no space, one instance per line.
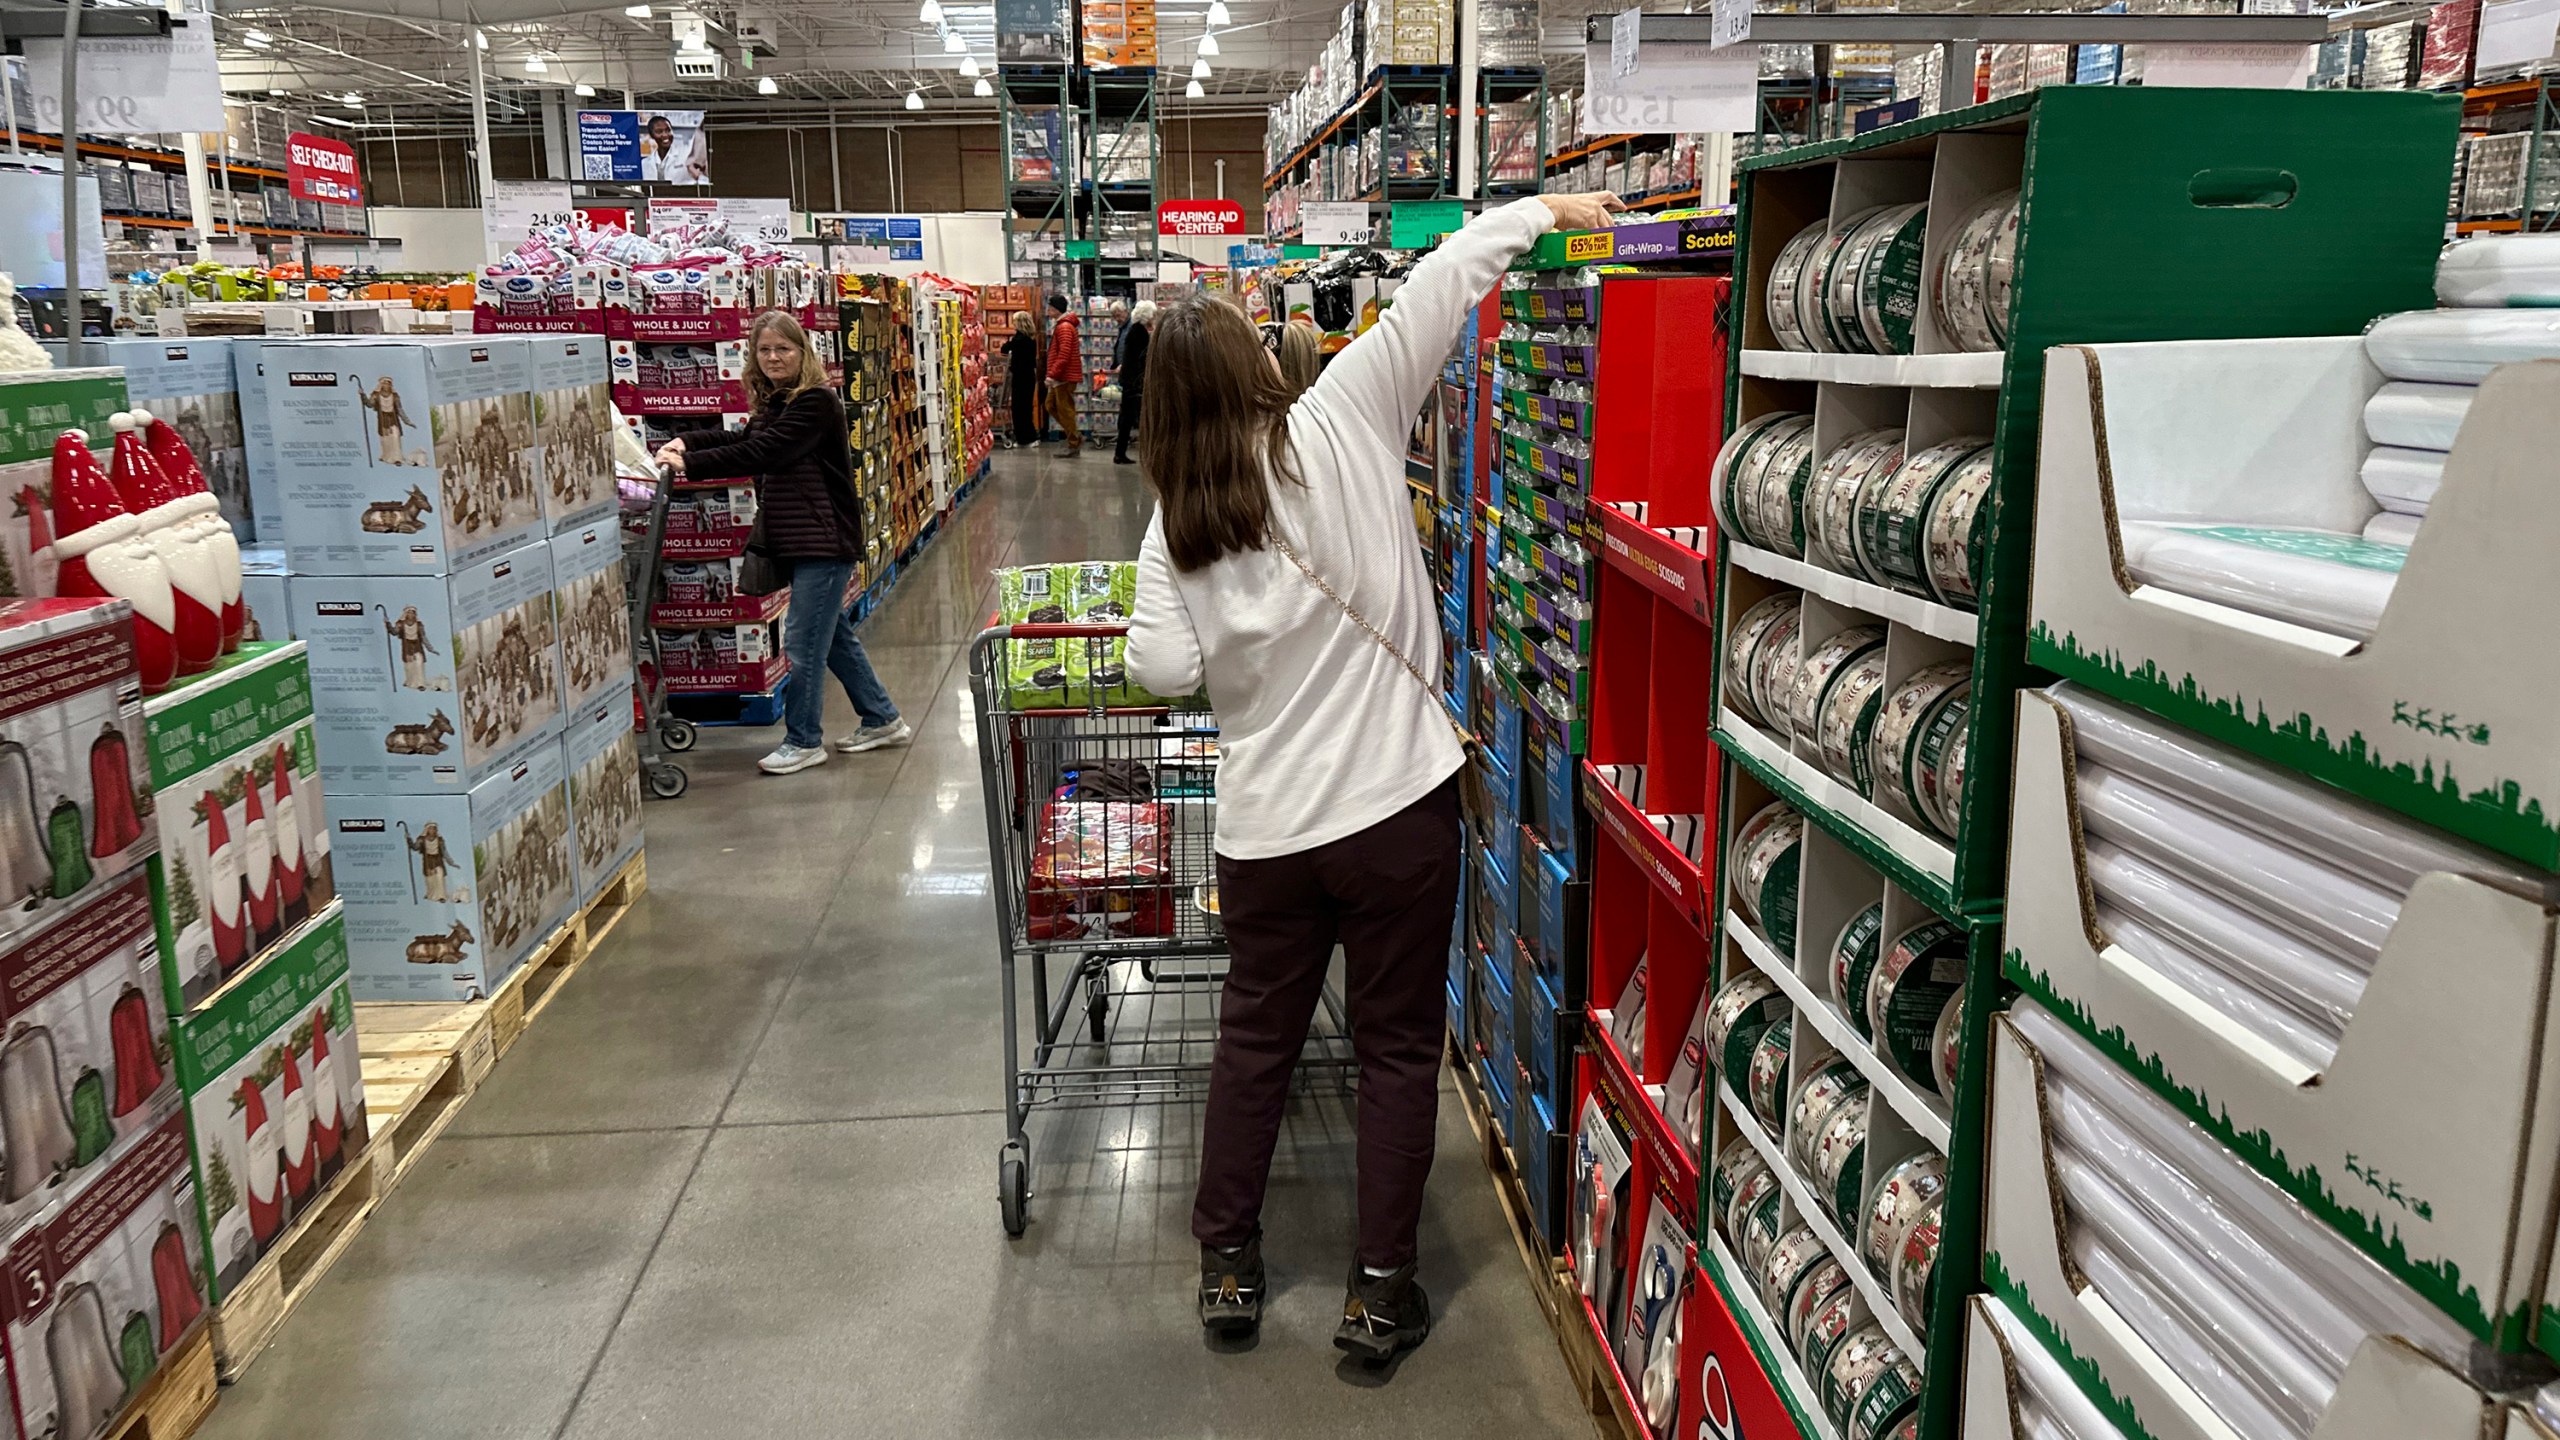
(1118,34)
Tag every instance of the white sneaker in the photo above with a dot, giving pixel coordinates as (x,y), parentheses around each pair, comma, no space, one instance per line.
(873,737)
(788,758)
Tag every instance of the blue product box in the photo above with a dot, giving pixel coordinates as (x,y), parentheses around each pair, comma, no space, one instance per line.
(446,894)
(257,437)
(572,423)
(1537,1041)
(431,682)
(1506,738)
(594,612)
(409,455)
(1560,820)
(264,591)
(600,756)
(1539,1151)
(1561,937)
(1489,1029)
(1494,1073)
(1500,891)
(192,384)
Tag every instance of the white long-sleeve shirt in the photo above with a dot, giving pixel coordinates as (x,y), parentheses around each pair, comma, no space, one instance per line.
(1321,732)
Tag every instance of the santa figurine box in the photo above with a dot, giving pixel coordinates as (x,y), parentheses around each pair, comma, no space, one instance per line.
(446,894)
(244,834)
(403,456)
(601,757)
(193,384)
(572,422)
(594,609)
(72,772)
(431,682)
(36,406)
(86,1066)
(102,1289)
(277,1098)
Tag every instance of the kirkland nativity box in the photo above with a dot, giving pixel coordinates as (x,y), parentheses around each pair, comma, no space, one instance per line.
(431,682)
(263,591)
(72,775)
(86,1067)
(102,1290)
(35,407)
(192,384)
(572,423)
(446,894)
(601,758)
(244,835)
(594,609)
(277,1098)
(257,437)
(404,457)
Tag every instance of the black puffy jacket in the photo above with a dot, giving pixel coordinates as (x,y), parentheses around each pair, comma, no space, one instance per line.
(802,463)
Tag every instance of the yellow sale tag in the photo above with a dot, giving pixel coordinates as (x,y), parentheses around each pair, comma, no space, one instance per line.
(1590,245)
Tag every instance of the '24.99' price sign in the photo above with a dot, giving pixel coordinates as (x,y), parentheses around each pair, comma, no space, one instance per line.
(317,168)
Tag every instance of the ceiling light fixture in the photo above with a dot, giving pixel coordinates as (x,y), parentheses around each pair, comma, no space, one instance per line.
(915,100)
(1218,12)
(257,40)
(931,14)
(536,65)
(766,86)
(636,12)
(585,91)
(1193,91)
(952,44)
(1199,69)
(968,64)
(272,93)
(982,89)
(1208,44)
(354,100)
(481,36)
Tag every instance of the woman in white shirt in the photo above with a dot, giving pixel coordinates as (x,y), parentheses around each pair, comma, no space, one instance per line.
(1337,786)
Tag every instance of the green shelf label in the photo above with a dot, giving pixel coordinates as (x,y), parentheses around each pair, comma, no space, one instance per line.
(1084,249)
(1413,224)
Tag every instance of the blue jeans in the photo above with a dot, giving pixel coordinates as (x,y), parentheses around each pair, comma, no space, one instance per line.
(819,638)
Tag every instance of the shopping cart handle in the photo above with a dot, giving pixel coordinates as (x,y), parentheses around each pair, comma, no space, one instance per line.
(1056,631)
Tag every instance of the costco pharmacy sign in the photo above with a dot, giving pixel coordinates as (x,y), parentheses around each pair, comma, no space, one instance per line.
(321,169)
(1200,217)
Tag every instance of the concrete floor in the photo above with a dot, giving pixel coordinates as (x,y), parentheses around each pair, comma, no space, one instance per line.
(740,1179)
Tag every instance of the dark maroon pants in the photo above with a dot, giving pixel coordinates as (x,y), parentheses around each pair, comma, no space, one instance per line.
(1388,895)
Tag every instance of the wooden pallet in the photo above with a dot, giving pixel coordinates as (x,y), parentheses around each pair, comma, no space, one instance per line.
(1551,1282)
(249,1317)
(177,1398)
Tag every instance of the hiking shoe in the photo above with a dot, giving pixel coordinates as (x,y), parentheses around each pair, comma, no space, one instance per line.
(872,737)
(1382,1315)
(788,758)
(1231,1289)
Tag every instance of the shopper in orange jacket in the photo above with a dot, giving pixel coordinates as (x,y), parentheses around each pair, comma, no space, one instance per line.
(1066,361)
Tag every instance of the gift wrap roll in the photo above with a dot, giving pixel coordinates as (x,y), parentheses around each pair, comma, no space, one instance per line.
(2050,1402)
(2400,479)
(2417,414)
(2459,347)
(2313,1044)
(2276,963)
(2500,270)
(2317,578)
(2392,528)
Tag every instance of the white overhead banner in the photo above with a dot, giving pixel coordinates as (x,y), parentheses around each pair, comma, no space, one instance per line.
(1675,87)
(135,84)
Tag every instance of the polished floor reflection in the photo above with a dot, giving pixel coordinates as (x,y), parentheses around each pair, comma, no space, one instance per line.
(740,1180)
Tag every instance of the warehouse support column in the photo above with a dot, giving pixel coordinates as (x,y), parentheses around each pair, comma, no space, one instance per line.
(1470,124)
(199,191)
(482,168)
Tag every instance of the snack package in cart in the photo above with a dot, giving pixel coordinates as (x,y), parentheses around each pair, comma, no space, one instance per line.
(1100,869)
(1048,674)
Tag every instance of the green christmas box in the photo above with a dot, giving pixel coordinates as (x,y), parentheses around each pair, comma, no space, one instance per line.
(275,1097)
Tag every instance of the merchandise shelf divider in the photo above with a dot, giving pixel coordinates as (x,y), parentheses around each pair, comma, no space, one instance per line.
(1916,862)
(1926,616)
(1926,1115)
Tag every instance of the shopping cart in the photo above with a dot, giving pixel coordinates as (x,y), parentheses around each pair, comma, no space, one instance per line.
(660,731)
(1101,816)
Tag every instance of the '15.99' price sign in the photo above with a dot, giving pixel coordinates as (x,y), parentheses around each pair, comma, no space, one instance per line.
(317,168)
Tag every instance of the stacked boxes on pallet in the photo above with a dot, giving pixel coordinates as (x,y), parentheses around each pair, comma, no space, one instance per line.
(1884,1139)
(430,485)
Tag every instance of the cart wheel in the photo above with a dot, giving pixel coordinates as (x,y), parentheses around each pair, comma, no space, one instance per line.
(668,781)
(1097,1009)
(676,734)
(1013,1188)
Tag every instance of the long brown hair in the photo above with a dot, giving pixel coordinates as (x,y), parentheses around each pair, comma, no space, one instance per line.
(813,371)
(1216,422)
(1301,355)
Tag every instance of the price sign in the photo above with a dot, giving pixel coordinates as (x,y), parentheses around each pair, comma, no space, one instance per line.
(518,208)
(151,84)
(1677,87)
(1625,29)
(1336,223)
(1732,24)
(1590,245)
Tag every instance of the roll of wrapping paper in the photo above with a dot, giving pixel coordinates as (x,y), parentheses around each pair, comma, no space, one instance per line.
(2417,414)
(2276,963)
(2326,906)
(2050,1402)
(2315,578)
(2499,270)
(2083,1086)
(2314,1044)
(2195,1358)
(2459,347)
(2389,528)
(2381,848)
(2400,479)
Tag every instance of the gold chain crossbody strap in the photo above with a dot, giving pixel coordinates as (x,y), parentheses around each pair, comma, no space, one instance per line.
(1466,741)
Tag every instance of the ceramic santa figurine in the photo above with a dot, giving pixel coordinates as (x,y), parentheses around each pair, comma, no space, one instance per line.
(99,546)
(258,865)
(160,511)
(205,522)
(298,1171)
(226,907)
(327,1120)
(263,1191)
(288,827)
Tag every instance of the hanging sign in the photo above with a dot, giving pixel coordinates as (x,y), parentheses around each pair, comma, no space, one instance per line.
(321,169)
(1625,29)
(151,84)
(1732,24)
(2516,32)
(517,208)
(1335,222)
(2244,67)
(1677,87)
(873,239)
(644,145)
(1200,217)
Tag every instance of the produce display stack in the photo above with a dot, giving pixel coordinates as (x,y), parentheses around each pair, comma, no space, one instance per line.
(1874,518)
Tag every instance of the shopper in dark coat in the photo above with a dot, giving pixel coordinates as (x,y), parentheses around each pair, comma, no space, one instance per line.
(797,450)
(1022,378)
(1133,375)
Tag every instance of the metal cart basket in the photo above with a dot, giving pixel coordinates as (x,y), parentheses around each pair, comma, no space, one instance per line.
(1101,816)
